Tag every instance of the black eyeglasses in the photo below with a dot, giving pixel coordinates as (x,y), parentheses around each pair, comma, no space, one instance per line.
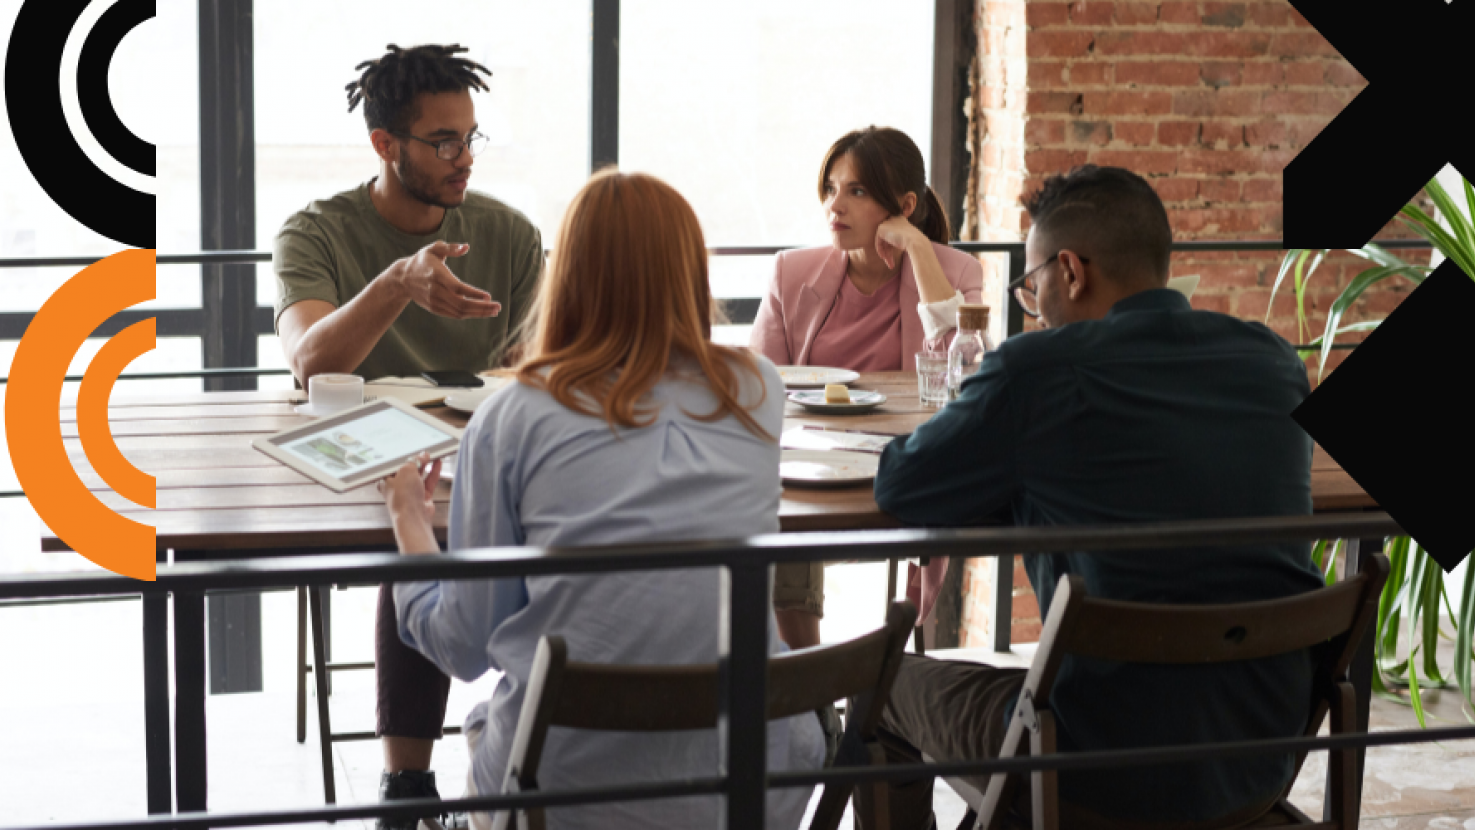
(450,149)
(1024,294)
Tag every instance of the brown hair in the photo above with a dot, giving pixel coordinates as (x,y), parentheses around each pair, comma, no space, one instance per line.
(627,288)
(890,166)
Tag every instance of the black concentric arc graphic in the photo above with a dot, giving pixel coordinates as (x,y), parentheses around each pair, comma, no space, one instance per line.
(97,106)
(33,103)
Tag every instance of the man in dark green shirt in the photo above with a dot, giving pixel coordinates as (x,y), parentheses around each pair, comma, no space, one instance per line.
(409,272)
(1129,407)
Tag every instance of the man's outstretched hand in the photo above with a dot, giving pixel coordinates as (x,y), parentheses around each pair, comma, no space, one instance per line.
(429,284)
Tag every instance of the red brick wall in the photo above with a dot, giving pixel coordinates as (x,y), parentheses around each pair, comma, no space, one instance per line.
(1207,100)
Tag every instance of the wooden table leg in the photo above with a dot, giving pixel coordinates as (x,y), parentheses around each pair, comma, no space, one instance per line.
(1001,616)
(156,702)
(189,700)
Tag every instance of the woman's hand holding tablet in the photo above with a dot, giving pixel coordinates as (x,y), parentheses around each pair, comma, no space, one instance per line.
(361,445)
(410,496)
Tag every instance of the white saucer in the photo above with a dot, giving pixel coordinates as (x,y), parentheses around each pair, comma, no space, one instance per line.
(467,400)
(861,400)
(308,410)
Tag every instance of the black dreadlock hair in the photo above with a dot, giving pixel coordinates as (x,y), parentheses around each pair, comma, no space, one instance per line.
(388,86)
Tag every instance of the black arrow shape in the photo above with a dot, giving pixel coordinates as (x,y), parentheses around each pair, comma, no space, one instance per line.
(1371,160)
(1398,415)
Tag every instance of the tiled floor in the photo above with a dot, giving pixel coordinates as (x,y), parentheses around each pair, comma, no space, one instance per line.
(71,732)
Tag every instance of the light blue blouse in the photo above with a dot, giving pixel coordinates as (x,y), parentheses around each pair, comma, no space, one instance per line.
(533,472)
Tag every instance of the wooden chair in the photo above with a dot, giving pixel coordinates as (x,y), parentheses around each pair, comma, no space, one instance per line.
(1332,621)
(668,698)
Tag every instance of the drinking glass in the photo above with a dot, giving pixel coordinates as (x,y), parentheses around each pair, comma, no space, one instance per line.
(932,386)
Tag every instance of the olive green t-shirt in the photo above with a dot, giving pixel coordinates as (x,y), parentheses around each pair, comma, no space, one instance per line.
(333,248)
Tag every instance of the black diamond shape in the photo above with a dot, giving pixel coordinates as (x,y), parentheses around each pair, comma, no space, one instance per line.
(1396,415)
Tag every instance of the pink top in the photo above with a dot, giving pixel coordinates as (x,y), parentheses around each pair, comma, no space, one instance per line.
(861,332)
(803,292)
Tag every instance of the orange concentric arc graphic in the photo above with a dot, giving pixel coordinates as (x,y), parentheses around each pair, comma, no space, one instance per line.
(33,413)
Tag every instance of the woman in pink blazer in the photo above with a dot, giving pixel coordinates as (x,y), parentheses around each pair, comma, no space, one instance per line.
(887,286)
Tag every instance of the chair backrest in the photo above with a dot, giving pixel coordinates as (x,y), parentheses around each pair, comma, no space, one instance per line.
(670,698)
(1331,621)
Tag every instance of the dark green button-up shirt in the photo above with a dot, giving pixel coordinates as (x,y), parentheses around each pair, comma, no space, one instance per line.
(1155,413)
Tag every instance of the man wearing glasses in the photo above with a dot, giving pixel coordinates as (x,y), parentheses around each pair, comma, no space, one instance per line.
(1131,407)
(410,271)
(407,273)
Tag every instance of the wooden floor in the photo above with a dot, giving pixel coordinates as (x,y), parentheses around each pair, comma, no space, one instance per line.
(71,732)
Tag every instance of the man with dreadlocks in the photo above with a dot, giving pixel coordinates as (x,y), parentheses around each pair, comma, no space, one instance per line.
(406,273)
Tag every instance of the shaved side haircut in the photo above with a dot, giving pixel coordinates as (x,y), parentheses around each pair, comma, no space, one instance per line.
(1108,215)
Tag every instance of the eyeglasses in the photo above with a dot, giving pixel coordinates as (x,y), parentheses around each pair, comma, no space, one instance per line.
(451,148)
(1024,293)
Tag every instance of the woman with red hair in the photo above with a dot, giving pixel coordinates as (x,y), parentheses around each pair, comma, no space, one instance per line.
(626,425)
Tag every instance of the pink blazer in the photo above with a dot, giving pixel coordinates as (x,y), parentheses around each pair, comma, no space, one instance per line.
(805,283)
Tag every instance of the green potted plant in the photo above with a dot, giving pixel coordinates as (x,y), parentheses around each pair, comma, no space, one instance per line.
(1415,592)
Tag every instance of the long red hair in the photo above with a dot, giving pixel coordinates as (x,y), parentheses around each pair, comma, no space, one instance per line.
(628,287)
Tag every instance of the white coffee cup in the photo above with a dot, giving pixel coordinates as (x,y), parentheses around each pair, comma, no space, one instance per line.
(329,393)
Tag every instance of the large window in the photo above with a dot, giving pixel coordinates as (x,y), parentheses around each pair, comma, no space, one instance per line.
(308,146)
(735,104)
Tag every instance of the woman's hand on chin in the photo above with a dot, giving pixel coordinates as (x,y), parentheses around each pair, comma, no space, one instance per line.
(409,495)
(895,237)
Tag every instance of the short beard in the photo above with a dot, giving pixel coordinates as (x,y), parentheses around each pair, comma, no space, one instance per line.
(416,183)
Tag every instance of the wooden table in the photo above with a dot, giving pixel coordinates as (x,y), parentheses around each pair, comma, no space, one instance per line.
(218,498)
(216,493)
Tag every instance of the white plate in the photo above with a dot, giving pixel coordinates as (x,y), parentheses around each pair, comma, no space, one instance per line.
(814,377)
(827,468)
(467,400)
(861,400)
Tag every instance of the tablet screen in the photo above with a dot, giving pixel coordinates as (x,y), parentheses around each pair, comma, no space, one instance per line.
(366,446)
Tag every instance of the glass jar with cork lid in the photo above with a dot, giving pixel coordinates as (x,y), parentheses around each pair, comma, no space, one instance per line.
(969,345)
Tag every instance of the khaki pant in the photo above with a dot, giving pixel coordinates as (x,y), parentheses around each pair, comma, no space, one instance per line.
(951,710)
(799,585)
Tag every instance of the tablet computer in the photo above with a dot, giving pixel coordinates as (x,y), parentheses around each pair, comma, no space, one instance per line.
(361,445)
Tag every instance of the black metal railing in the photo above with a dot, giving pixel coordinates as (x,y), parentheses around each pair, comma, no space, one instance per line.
(245,257)
(743,616)
(182,322)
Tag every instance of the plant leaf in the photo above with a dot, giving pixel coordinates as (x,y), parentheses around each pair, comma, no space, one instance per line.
(1365,325)
(1459,225)
(1463,636)
(1355,288)
(1430,230)
(1376,253)
(1293,255)
(1413,689)
(1300,288)
(1386,641)
(1303,282)
(1429,611)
